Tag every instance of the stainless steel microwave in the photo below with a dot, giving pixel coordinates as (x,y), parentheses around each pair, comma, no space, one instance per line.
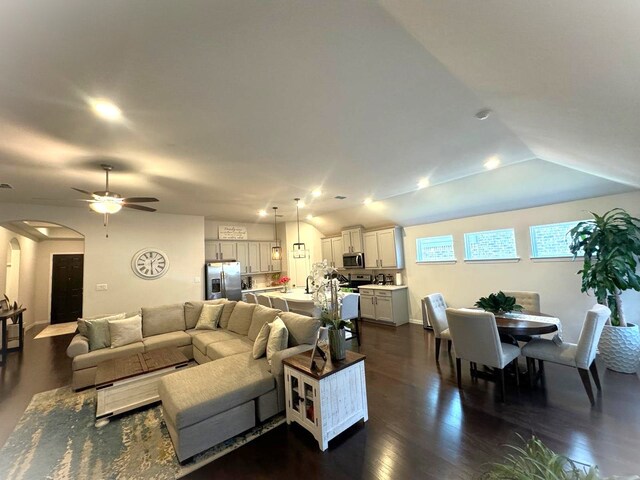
(353,260)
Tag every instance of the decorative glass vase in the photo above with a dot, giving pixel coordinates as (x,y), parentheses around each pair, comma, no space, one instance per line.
(285,288)
(337,344)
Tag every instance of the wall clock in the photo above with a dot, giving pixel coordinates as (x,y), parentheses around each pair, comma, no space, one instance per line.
(150,263)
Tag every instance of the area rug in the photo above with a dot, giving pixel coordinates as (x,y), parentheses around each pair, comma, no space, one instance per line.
(58,329)
(56,439)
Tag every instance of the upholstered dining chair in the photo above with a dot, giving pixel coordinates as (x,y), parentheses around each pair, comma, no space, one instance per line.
(581,355)
(264,300)
(476,339)
(251,297)
(280,304)
(437,314)
(349,310)
(529,300)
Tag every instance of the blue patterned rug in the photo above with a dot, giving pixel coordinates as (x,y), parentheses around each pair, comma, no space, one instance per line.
(56,439)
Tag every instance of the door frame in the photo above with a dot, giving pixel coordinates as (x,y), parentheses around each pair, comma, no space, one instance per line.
(49,296)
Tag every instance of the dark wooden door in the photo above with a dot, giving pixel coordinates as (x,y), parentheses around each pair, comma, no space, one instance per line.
(66,287)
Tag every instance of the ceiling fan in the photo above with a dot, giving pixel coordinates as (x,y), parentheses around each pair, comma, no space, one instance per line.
(107,202)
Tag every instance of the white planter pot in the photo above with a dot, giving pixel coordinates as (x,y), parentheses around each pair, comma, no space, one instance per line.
(620,348)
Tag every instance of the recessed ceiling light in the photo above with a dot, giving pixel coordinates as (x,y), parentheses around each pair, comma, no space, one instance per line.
(309,217)
(367,201)
(106,109)
(262,213)
(301,204)
(423,183)
(493,162)
(483,114)
(317,192)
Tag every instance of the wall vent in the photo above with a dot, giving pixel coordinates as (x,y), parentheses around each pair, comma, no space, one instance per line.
(6,185)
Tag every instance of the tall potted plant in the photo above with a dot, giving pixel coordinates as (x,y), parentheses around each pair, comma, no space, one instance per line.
(611,247)
(328,297)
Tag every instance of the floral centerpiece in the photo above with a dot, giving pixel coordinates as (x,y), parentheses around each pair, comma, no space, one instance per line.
(328,298)
(284,281)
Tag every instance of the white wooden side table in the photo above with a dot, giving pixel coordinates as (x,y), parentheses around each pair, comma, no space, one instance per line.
(327,401)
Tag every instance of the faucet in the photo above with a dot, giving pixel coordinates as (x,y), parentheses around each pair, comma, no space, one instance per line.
(306,290)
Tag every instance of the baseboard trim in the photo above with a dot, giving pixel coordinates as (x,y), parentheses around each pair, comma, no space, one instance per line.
(416,321)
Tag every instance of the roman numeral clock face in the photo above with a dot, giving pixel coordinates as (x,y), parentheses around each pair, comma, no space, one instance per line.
(150,263)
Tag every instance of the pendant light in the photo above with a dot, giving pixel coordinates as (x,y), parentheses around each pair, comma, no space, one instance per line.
(276,250)
(299,249)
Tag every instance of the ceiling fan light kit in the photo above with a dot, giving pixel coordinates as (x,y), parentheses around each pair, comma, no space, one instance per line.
(108,203)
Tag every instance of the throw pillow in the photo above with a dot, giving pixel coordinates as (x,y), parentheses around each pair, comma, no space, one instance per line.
(278,338)
(209,317)
(260,345)
(226,314)
(98,333)
(240,319)
(82,322)
(125,331)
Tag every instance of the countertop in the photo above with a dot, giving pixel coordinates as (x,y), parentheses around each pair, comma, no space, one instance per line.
(261,289)
(384,287)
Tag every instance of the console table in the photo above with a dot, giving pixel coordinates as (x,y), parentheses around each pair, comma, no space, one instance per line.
(15,317)
(325,401)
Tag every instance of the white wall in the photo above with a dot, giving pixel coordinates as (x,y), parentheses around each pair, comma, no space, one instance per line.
(108,260)
(46,250)
(556,281)
(26,287)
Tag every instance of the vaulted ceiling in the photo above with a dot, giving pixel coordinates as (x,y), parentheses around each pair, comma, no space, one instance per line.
(234,106)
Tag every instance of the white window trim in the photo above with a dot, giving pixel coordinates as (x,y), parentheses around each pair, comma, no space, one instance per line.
(494,260)
(437,262)
(556,259)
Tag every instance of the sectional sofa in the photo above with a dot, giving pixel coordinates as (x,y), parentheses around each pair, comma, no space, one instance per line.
(228,391)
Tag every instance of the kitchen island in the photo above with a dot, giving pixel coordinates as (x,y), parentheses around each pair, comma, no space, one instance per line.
(299,301)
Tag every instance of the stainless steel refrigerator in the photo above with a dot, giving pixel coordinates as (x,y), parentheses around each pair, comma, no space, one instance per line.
(223,281)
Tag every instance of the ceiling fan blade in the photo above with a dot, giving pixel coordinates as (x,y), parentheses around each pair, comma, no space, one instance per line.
(83,191)
(140,199)
(139,207)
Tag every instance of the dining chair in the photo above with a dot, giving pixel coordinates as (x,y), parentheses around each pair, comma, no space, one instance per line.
(437,315)
(251,297)
(264,300)
(280,304)
(350,310)
(476,339)
(529,300)
(579,355)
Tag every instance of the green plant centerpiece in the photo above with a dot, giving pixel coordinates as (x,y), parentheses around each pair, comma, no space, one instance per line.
(498,303)
(328,297)
(610,244)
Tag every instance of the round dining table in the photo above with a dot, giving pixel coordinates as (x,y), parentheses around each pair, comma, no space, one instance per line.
(510,324)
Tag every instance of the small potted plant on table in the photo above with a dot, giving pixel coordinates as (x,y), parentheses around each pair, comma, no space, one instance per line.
(498,303)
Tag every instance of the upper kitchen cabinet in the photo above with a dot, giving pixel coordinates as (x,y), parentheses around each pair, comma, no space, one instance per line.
(332,251)
(215,250)
(352,240)
(384,249)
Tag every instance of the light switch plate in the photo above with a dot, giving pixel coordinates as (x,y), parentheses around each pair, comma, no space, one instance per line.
(101,286)
(196,279)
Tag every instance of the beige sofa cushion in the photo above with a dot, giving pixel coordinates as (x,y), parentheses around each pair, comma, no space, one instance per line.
(240,319)
(125,331)
(209,317)
(82,322)
(92,359)
(278,337)
(196,394)
(164,340)
(261,315)
(302,329)
(162,319)
(193,309)
(229,306)
(201,341)
(227,348)
(260,345)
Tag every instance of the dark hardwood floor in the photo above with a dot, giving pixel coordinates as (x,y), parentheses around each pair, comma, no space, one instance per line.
(420,425)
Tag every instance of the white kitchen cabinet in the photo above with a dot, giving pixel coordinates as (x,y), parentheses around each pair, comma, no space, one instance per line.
(216,250)
(352,240)
(384,249)
(242,251)
(254,257)
(385,304)
(266,263)
(276,265)
(332,251)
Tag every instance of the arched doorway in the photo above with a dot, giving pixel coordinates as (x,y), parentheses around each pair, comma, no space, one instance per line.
(12,288)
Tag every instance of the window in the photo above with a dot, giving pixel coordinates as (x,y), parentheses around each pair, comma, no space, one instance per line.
(552,240)
(435,249)
(490,245)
